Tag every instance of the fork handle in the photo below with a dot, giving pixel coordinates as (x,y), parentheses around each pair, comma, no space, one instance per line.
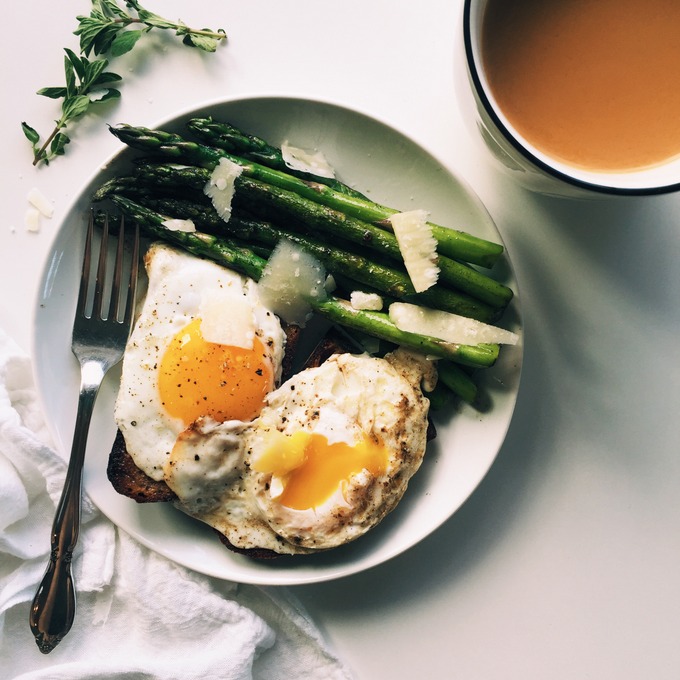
(54,604)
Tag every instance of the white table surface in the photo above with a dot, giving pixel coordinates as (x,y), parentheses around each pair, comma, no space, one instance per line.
(564,563)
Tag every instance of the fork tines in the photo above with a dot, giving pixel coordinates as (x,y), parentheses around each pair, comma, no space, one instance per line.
(123,278)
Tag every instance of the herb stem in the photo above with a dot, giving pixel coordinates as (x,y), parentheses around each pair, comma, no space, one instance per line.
(129,21)
(40,154)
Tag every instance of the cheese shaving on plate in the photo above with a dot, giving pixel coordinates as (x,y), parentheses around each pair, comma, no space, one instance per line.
(453,328)
(240,329)
(370,301)
(313,162)
(179,225)
(220,186)
(291,278)
(418,247)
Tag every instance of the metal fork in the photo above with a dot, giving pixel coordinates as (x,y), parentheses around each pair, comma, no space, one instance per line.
(98,342)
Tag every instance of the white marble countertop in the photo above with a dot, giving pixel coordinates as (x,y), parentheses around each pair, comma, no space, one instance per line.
(564,562)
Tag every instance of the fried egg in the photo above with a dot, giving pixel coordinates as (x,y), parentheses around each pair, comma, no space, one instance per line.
(329,456)
(204,346)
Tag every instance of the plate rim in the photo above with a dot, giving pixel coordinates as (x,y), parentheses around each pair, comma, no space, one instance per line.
(273,576)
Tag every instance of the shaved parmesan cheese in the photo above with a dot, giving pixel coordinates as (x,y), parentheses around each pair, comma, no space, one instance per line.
(179,225)
(32,219)
(418,247)
(220,186)
(240,329)
(306,161)
(370,301)
(290,280)
(446,326)
(38,200)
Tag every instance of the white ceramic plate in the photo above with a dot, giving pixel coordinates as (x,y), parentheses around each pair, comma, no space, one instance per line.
(385,164)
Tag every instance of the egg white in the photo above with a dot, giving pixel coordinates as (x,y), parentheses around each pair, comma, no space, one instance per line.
(179,286)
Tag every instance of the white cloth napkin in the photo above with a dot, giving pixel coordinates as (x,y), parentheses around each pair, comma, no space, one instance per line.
(138,614)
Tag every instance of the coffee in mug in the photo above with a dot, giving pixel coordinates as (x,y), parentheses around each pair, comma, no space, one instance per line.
(588,90)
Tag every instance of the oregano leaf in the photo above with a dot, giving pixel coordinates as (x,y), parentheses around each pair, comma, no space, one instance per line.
(93,69)
(153,19)
(124,42)
(107,77)
(105,38)
(75,106)
(76,62)
(31,135)
(110,8)
(88,29)
(70,77)
(52,92)
(203,42)
(59,141)
(111,93)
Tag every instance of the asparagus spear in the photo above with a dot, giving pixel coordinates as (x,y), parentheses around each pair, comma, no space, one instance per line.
(156,178)
(227,253)
(323,219)
(259,197)
(439,397)
(388,280)
(457,380)
(452,243)
(229,138)
(379,325)
(393,282)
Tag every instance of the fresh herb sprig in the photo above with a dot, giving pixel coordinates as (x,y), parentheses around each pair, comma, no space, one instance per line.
(102,31)
(106,30)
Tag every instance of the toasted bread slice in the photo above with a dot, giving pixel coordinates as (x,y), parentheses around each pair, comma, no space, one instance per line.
(253,553)
(128,480)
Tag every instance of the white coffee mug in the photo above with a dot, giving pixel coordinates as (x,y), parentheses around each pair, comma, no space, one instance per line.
(532,166)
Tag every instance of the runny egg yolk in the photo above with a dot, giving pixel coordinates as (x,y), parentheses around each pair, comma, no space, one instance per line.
(201,378)
(311,469)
